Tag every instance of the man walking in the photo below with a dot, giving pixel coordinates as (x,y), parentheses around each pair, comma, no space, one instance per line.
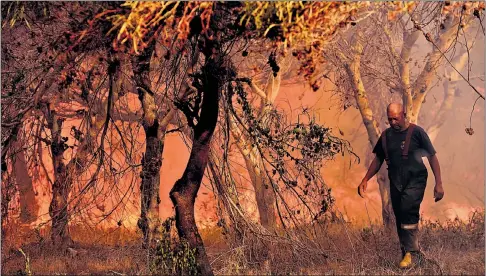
(402,146)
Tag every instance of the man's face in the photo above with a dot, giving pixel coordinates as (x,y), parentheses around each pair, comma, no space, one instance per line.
(396,119)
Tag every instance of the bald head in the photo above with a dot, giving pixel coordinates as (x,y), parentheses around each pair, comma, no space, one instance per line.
(396,116)
(394,108)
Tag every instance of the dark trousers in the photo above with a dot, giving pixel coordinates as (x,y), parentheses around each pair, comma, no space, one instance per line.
(407,192)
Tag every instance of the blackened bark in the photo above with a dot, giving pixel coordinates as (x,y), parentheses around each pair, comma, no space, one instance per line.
(185,190)
(6,145)
(151,164)
(154,147)
(141,68)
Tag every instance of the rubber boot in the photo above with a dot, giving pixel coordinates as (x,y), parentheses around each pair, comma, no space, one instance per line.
(406,261)
(411,240)
(408,240)
(410,247)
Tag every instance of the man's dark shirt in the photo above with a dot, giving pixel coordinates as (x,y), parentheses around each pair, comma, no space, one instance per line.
(420,146)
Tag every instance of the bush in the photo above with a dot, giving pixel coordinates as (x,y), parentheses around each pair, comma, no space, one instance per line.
(172,255)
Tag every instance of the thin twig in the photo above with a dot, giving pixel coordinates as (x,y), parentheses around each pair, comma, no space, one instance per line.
(470,117)
(448,61)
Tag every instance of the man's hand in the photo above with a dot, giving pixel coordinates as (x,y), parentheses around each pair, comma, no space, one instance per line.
(362,188)
(438,192)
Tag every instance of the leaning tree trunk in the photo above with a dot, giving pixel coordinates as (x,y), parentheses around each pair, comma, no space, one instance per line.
(264,195)
(424,80)
(185,190)
(353,70)
(450,88)
(264,192)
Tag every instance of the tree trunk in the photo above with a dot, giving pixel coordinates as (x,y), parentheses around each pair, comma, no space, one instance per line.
(63,175)
(265,197)
(450,87)
(58,209)
(434,128)
(425,78)
(409,40)
(185,190)
(6,146)
(28,203)
(154,146)
(8,192)
(386,210)
(264,194)
(353,70)
(155,128)
(150,186)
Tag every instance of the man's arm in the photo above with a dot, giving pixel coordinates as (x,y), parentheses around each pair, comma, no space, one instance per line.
(438,189)
(372,170)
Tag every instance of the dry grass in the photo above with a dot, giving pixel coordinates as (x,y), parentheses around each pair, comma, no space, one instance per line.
(99,251)
(451,248)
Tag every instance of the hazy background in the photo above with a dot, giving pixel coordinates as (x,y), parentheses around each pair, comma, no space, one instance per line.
(461,155)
